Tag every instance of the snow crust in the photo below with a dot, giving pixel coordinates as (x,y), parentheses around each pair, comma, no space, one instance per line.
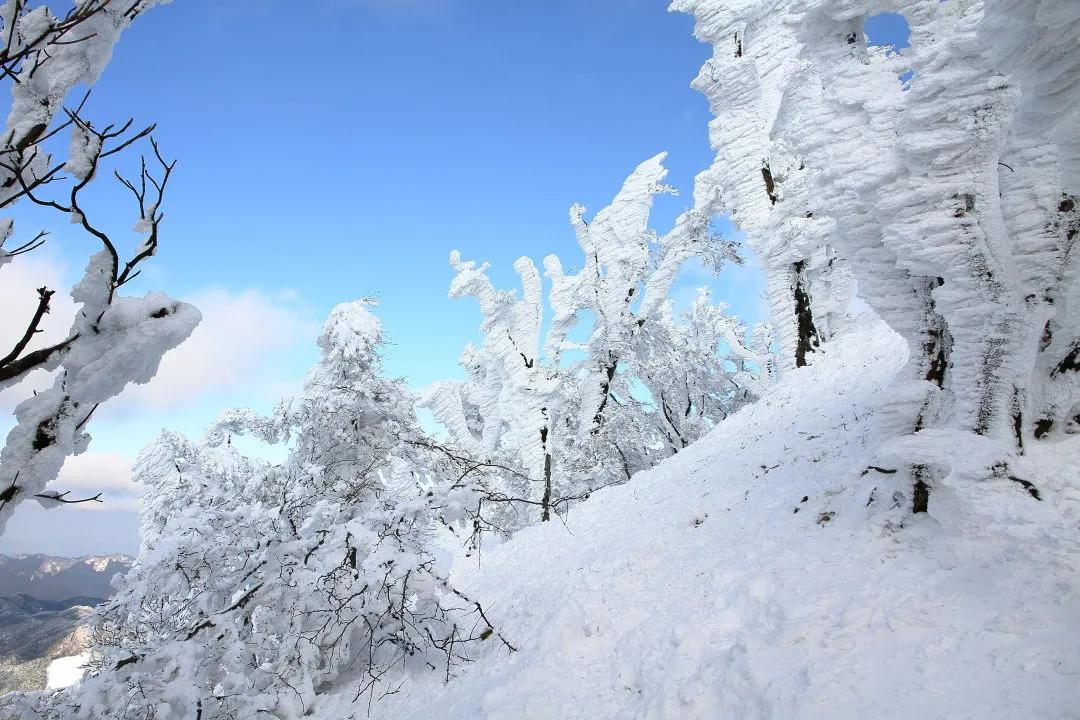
(766,572)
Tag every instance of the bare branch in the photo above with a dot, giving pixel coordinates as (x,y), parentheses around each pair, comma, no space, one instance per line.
(30,245)
(32,360)
(44,296)
(60,497)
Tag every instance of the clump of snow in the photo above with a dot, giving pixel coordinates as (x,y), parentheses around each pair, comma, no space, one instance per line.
(84,152)
(774,570)
(66,671)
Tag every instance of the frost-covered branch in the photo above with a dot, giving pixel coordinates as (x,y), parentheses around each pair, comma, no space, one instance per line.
(112,340)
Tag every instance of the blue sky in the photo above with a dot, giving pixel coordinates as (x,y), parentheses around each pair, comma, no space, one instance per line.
(341,148)
(347,149)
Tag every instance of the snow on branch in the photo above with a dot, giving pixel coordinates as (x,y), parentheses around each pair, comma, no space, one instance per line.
(113,340)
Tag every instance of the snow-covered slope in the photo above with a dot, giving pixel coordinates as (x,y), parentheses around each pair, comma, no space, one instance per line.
(66,671)
(765,572)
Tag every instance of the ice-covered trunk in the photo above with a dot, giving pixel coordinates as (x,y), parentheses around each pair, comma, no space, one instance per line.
(1038,170)
(806,334)
(545,440)
(1055,396)
(1054,393)
(607,377)
(919,222)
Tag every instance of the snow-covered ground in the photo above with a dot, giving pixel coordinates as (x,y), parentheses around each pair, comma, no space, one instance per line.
(66,671)
(765,572)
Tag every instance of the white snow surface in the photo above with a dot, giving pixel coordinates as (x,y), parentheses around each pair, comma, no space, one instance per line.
(709,588)
(66,671)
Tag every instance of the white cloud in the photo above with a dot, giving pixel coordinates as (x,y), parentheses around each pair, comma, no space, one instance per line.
(237,349)
(240,348)
(35,382)
(252,347)
(19,281)
(91,473)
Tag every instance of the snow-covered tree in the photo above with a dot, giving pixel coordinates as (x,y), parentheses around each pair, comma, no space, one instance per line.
(113,339)
(649,383)
(942,180)
(260,587)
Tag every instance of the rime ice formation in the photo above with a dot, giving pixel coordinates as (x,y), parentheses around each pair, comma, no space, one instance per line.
(649,384)
(950,199)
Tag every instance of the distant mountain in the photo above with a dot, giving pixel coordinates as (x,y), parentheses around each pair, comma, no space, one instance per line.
(29,605)
(51,578)
(44,601)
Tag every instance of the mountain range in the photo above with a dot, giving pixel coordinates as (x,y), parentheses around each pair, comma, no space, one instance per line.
(50,578)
